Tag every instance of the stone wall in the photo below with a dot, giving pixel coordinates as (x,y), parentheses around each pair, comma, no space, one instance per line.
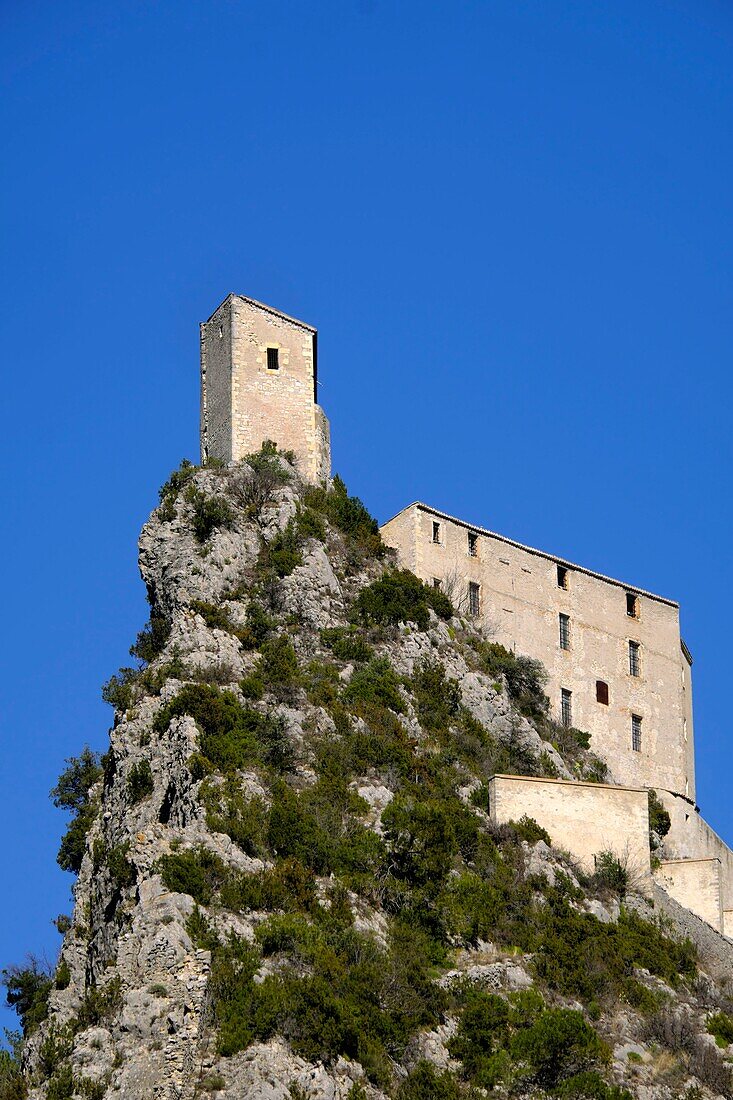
(690,837)
(581,818)
(695,884)
(216,385)
(520,604)
(244,402)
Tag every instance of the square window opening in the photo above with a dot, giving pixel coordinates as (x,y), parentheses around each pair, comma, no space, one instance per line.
(602,692)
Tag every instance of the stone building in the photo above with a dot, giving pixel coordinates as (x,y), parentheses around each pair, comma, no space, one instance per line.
(616,663)
(617,666)
(259,380)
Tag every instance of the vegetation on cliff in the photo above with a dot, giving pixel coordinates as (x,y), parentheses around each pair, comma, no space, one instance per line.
(288,843)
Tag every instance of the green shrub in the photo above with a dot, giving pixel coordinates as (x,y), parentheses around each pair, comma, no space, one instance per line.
(61,1085)
(71,793)
(356,1000)
(421,838)
(659,820)
(568,740)
(437,697)
(12,1082)
(284,553)
(63,975)
(317,828)
(173,486)
(209,514)
(197,872)
(122,872)
(27,989)
(720,1025)
(591,1086)
(140,781)
(288,886)
(259,624)
(525,677)
(119,690)
(216,618)
(528,829)
(152,639)
(347,643)
(471,743)
(322,683)
(229,811)
(269,458)
(232,736)
(482,1030)
(579,956)
(558,1045)
(56,1046)
(400,597)
(348,515)
(278,662)
(101,1004)
(427,1083)
(213,1082)
(375,684)
(610,874)
(252,686)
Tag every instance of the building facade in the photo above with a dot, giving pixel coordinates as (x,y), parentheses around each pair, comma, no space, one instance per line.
(259,379)
(617,667)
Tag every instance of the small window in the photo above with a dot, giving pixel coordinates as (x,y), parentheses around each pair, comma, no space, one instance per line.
(472,545)
(273,358)
(636,732)
(474,598)
(602,692)
(566,707)
(436,532)
(562,577)
(632,605)
(634,659)
(436,582)
(564,631)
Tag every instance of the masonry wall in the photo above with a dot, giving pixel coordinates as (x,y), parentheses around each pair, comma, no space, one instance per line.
(244,402)
(520,606)
(695,884)
(691,838)
(216,385)
(581,818)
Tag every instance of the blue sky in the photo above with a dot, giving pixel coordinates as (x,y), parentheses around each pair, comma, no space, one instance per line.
(511,223)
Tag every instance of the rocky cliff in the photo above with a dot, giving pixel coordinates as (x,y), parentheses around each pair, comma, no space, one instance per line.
(288,882)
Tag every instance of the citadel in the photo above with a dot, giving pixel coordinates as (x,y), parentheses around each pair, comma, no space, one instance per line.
(617,665)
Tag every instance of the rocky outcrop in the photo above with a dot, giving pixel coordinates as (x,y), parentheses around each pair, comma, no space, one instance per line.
(140,1013)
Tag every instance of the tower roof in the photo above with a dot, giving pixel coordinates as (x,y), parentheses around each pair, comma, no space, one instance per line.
(265,309)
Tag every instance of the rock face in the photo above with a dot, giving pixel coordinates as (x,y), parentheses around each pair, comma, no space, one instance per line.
(305,694)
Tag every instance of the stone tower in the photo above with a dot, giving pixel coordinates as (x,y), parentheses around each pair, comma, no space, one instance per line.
(258,381)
